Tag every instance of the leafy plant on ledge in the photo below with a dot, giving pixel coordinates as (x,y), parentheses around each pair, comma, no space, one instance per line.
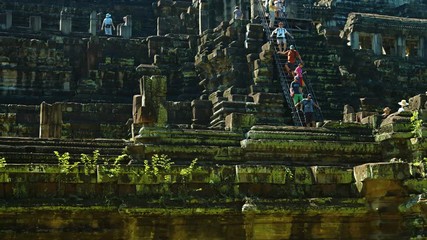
(90,162)
(113,169)
(64,162)
(159,165)
(3,162)
(417,124)
(186,172)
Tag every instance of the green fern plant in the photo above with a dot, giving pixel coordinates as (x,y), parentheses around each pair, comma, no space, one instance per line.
(114,168)
(90,162)
(417,124)
(3,162)
(288,173)
(64,162)
(186,172)
(159,164)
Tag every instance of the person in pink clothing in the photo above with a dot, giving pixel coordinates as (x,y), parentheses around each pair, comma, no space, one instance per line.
(298,72)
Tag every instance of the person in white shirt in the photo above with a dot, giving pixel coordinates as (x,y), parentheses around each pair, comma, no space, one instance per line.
(403,106)
(281,36)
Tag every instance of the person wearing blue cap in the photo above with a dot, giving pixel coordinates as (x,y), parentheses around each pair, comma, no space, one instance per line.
(307,105)
(295,90)
(108,25)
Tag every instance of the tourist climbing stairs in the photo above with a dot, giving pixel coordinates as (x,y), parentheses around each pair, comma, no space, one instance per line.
(322,74)
(297,116)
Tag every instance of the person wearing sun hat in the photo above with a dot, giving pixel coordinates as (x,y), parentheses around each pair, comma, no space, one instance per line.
(403,106)
(108,25)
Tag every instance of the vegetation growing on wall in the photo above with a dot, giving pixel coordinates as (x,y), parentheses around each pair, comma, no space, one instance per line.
(90,162)
(2,162)
(186,172)
(64,162)
(417,124)
(158,164)
(112,167)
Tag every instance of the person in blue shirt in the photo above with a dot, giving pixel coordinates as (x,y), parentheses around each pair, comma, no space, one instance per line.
(295,90)
(108,25)
(307,105)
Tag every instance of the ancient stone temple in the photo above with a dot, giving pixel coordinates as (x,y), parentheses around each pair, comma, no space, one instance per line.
(181,123)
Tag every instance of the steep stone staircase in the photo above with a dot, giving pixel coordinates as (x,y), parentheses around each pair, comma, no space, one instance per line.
(321,64)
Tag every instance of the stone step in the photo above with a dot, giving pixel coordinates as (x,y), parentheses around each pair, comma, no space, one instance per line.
(189,137)
(332,144)
(45,158)
(16,141)
(26,150)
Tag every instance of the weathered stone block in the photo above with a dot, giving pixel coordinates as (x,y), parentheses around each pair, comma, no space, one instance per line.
(153,100)
(35,23)
(255,35)
(252,57)
(233,90)
(222,26)
(259,64)
(179,112)
(155,44)
(265,56)
(418,102)
(373,120)
(385,171)
(253,174)
(237,98)
(202,110)
(363,114)
(263,72)
(239,121)
(254,28)
(215,53)
(396,123)
(349,117)
(215,95)
(268,47)
(262,79)
(268,98)
(332,175)
(233,51)
(136,109)
(303,175)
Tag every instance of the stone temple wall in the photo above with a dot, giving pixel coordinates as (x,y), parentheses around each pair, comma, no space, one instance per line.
(209,151)
(83,68)
(357,202)
(49,11)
